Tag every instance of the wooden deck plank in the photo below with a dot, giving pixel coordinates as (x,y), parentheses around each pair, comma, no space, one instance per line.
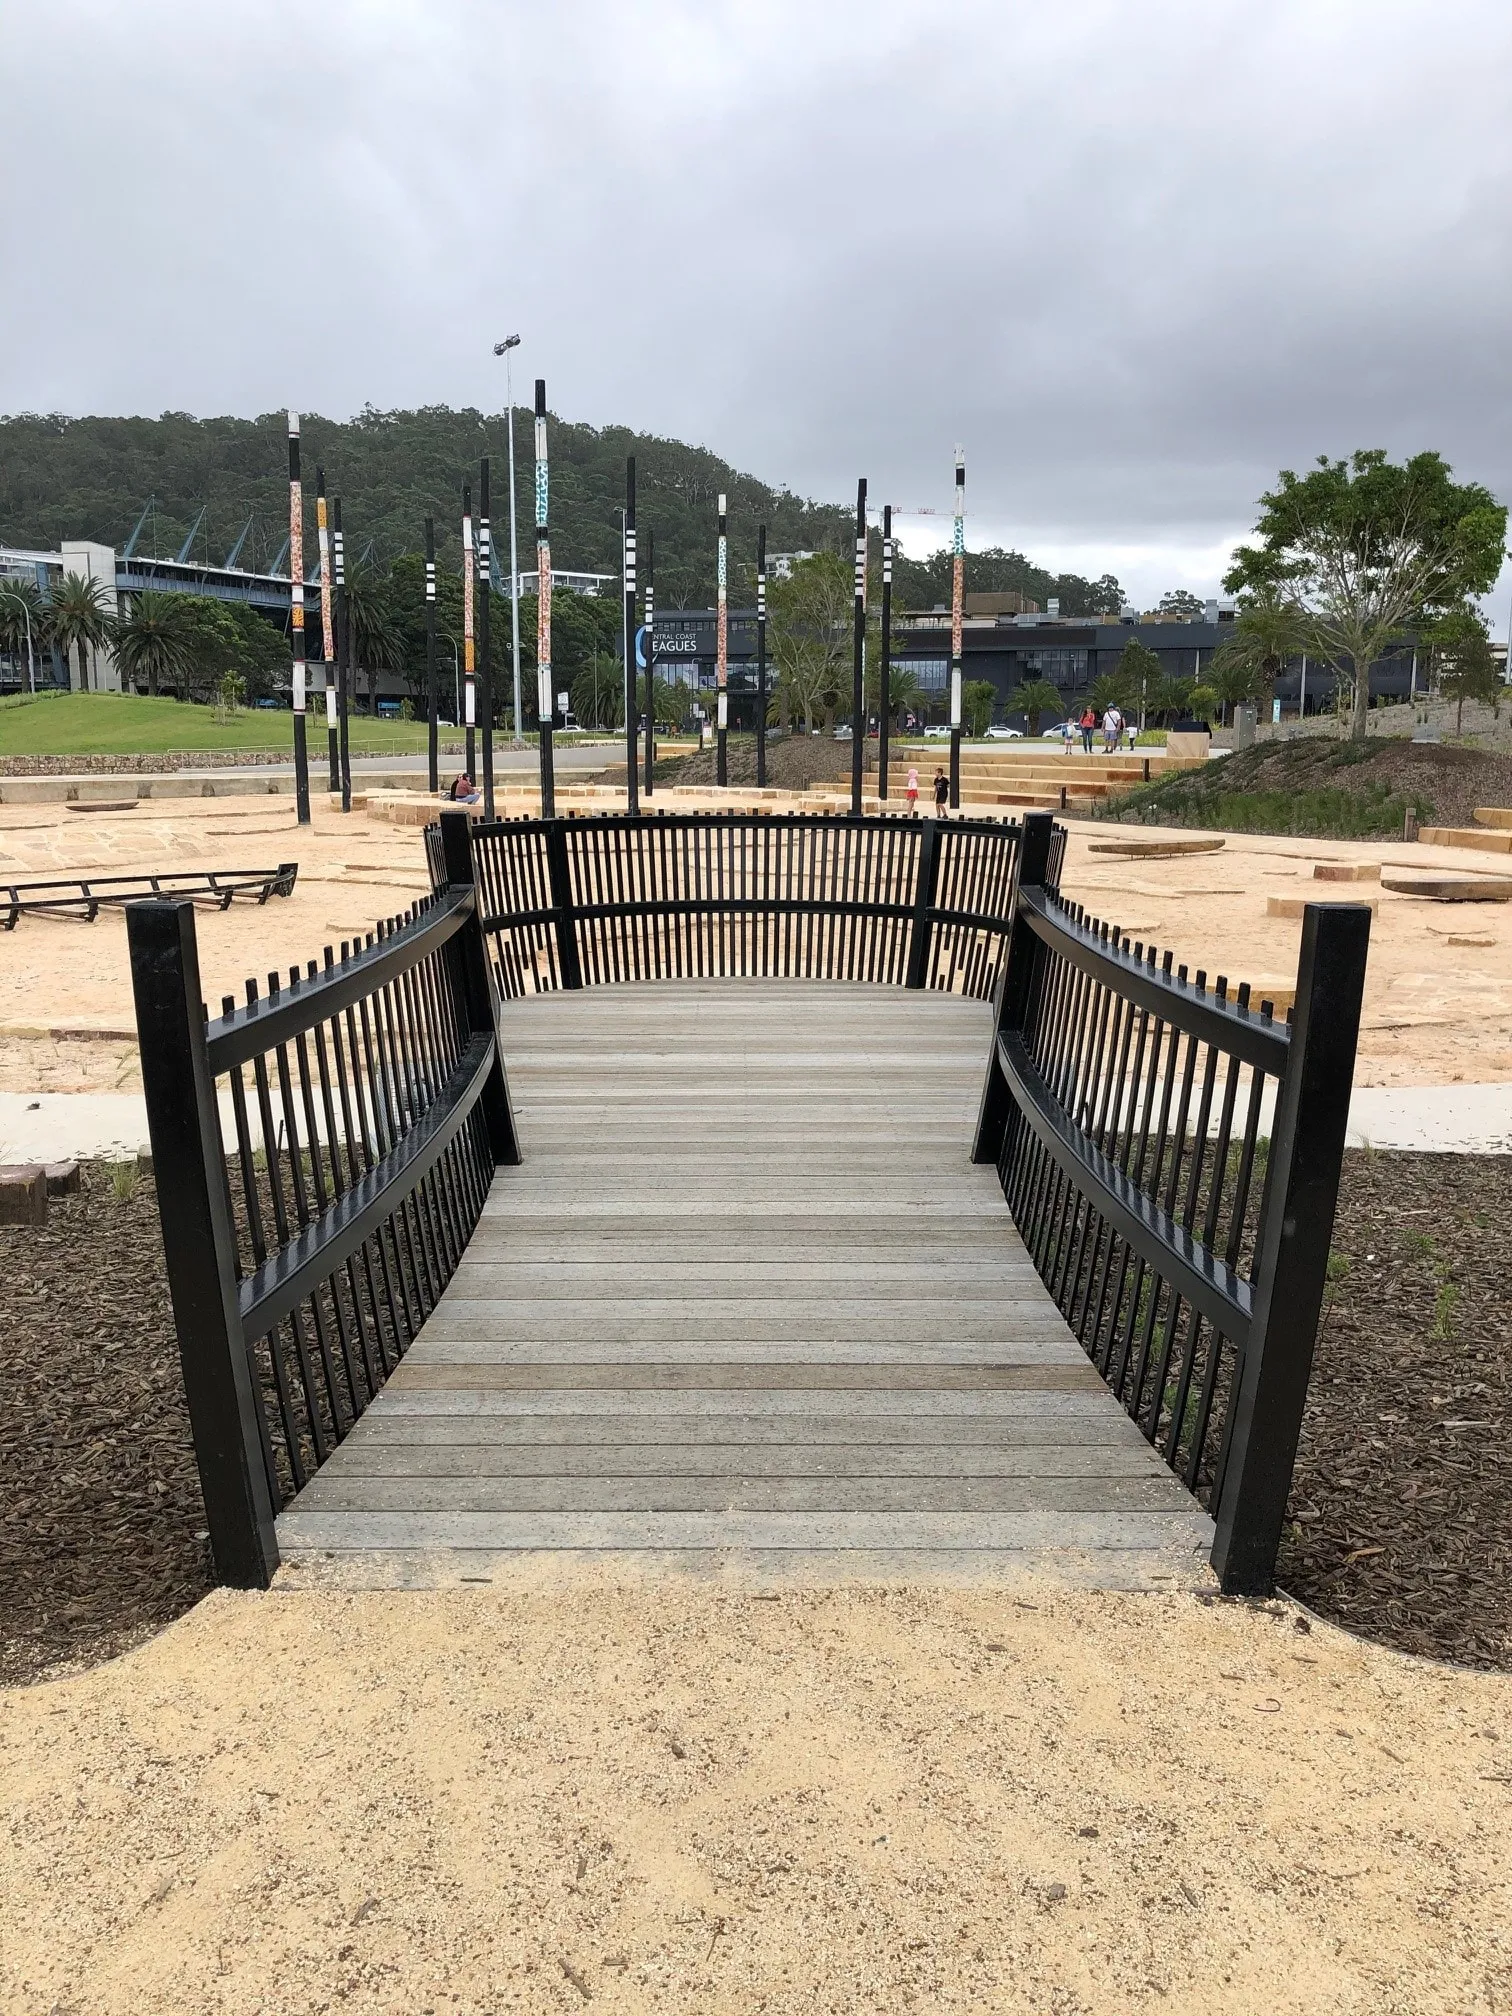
(746,1301)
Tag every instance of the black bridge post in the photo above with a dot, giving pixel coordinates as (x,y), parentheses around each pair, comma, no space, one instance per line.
(188,1159)
(1015,987)
(921,929)
(1296,1226)
(561,902)
(477,996)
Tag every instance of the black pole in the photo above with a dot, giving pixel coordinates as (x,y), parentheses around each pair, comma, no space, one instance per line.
(761,687)
(485,663)
(343,655)
(432,693)
(957,605)
(545,696)
(469,663)
(632,775)
(858,660)
(327,631)
(650,661)
(884,696)
(721,655)
(296,625)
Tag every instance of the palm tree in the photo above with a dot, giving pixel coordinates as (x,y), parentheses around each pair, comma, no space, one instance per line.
(151,642)
(21,621)
(80,619)
(1271,627)
(1034,698)
(374,639)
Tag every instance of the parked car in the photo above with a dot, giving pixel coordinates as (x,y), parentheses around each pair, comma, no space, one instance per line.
(1000,732)
(937,733)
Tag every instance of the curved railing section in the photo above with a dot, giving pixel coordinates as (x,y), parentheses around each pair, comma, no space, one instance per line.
(899,901)
(1171,1156)
(321,1153)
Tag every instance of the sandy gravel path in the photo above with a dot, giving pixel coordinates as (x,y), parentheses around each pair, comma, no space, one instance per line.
(665,1795)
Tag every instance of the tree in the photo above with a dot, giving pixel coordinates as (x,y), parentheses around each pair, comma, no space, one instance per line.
(1231,678)
(227,637)
(152,641)
(1370,547)
(1116,689)
(1037,697)
(811,618)
(1271,627)
(375,641)
(598,692)
(22,622)
(80,620)
(1180,602)
(1466,668)
(1170,699)
(903,688)
(1141,672)
(977,697)
(1202,702)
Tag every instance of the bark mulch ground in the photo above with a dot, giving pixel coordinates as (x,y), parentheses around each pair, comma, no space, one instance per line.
(794,763)
(1400,1522)
(100,1511)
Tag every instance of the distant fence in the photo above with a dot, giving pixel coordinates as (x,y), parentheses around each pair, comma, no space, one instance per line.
(367,1107)
(1171,1157)
(577,902)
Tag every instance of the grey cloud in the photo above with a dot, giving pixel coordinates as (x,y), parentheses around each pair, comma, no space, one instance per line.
(1134,258)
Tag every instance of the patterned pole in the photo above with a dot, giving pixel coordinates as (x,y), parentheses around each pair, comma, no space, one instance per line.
(858,660)
(327,627)
(722,654)
(485,659)
(469,694)
(761,690)
(296,623)
(432,694)
(884,697)
(545,697)
(632,751)
(957,605)
(343,653)
(650,661)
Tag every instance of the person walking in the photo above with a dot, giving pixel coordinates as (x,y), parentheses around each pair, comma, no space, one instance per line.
(1112,729)
(1088,727)
(942,793)
(911,792)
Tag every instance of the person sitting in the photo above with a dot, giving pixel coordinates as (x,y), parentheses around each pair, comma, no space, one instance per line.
(463,790)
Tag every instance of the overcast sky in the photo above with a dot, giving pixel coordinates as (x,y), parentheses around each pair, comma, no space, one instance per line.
(1134,258)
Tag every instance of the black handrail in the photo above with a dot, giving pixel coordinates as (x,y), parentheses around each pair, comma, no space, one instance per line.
(1114,1089)
(910,902)
(302,1265)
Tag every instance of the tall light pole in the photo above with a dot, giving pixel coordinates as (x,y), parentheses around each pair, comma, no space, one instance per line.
(502,350)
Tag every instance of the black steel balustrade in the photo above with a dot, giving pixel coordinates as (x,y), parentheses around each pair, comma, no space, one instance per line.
(907,902)
(1171,1157)
(368,1107)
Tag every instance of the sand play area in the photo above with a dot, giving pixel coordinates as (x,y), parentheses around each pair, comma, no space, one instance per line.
(573,1785)
(683,1795)
(1438,1003)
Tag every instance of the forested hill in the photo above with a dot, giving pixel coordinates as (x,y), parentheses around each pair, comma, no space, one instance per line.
(90,478)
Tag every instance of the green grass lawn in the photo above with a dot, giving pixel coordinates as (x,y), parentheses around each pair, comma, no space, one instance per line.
(120,724)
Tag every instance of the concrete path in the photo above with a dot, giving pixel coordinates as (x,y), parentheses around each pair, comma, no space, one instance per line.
(748,1302)
(1435,1119)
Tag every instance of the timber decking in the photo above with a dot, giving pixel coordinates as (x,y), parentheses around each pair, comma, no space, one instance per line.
(747,1306)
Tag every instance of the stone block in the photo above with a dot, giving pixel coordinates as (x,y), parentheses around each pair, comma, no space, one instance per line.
(62,1179)
(1347,871)
(23,1193)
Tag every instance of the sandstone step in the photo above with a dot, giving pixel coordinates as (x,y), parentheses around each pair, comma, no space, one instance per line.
(1485,840)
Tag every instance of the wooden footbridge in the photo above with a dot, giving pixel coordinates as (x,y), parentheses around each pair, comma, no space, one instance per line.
(884,1216)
